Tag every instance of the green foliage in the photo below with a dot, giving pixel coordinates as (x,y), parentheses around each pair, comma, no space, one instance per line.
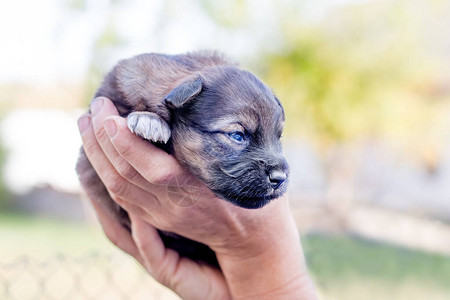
(331,93)
(232,14)
(355,75)
(105,44)
(104,47)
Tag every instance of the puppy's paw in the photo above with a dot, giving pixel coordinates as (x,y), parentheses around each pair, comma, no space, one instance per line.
(149,125)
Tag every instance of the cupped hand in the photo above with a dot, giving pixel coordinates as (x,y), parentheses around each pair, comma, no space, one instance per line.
(149,183)
(188,279)
(158,193)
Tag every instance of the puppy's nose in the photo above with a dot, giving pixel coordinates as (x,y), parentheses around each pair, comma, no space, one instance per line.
(277,178)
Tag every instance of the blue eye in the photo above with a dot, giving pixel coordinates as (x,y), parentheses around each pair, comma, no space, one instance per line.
(237,136)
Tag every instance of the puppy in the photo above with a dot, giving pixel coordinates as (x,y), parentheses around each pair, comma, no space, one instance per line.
(220,122)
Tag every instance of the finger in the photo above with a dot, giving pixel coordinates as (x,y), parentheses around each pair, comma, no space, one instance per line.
(116,233)
(155,165)
(165,265)
(118,188)
(149,245)
(101,109)
(180,274)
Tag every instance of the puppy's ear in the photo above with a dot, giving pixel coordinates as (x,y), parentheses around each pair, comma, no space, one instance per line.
(185,92)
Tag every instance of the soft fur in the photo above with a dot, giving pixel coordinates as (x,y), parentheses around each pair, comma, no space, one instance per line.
(220,122)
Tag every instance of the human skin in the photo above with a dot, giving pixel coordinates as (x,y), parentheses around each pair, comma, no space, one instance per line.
(259,251)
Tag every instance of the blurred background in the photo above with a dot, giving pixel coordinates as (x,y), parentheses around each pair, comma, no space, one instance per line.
(366,89)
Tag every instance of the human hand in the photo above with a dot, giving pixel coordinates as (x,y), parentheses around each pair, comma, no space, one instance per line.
(152,186)
(185,277)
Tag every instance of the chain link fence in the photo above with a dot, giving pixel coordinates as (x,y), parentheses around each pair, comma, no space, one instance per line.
(94,276)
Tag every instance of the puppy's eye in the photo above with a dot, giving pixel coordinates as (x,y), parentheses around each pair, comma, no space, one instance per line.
(237,136)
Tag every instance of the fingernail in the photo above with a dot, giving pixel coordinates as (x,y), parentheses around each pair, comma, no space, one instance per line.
(84,122)
(110,127)
(96,105)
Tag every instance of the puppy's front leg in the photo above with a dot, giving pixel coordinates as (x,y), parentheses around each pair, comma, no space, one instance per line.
(149,126)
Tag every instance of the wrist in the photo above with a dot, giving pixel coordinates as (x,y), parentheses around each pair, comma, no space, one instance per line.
(267,262)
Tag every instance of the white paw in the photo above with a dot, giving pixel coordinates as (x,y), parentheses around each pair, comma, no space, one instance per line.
(149,126)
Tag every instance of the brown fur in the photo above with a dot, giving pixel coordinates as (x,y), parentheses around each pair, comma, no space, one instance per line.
(206,128)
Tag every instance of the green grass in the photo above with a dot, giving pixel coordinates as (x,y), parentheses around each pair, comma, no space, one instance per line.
(343,267)
(43,237)
(51,259)
(354,268)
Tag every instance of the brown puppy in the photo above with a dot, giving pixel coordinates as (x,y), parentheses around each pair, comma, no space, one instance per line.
(220,122)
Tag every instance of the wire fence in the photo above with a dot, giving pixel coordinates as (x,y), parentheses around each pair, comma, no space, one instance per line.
(94,276)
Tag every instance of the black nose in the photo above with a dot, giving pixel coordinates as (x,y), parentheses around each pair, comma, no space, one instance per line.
(277,178)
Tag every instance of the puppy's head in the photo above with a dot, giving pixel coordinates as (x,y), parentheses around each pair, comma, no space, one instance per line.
(226,129)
